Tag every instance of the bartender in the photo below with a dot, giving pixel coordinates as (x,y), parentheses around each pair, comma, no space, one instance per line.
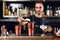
(37,19)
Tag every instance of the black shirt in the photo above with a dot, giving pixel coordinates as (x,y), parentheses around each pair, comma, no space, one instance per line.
(37,23)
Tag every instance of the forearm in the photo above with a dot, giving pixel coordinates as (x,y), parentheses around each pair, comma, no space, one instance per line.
(22,23)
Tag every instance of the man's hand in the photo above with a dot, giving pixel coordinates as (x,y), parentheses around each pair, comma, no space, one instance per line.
(20,19)
(49,29)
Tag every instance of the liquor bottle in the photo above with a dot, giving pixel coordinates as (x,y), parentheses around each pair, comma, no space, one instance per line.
(33,11)
(15,12)
(56,14)
(55,30)
(30,11)
(59,11)
(9,13)
(10,32)
(32,30)
(47,12)
(6,11)
(18,30)
(4,7)
(51,11)
(29,29)
(26,11)
(18,12)
(10,10)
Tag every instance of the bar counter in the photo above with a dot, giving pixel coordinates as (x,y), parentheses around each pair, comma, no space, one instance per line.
(29,38)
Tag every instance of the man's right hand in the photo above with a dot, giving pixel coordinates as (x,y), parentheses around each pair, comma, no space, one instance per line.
(20,20)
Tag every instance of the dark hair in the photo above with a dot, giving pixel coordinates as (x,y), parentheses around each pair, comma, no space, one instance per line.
(39,2)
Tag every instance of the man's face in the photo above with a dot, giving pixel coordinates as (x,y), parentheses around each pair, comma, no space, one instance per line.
(39,8)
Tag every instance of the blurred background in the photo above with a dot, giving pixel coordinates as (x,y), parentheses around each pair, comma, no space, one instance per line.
(10,10)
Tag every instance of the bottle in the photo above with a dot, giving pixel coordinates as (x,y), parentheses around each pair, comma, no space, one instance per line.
(33,11)
(30,11)
(9,13)
(10,32)
(4,7)
(32,30)
(15,12)
(50,11)
(47,12)
(59,11)
(56,13)
(6,11)
(18,30)
(10,10)
(29,29)
(55,30)
(18,11)
(26,11)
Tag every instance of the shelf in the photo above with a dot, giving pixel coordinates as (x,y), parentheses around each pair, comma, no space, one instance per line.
(10,20)
(50,16)
(10,16)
